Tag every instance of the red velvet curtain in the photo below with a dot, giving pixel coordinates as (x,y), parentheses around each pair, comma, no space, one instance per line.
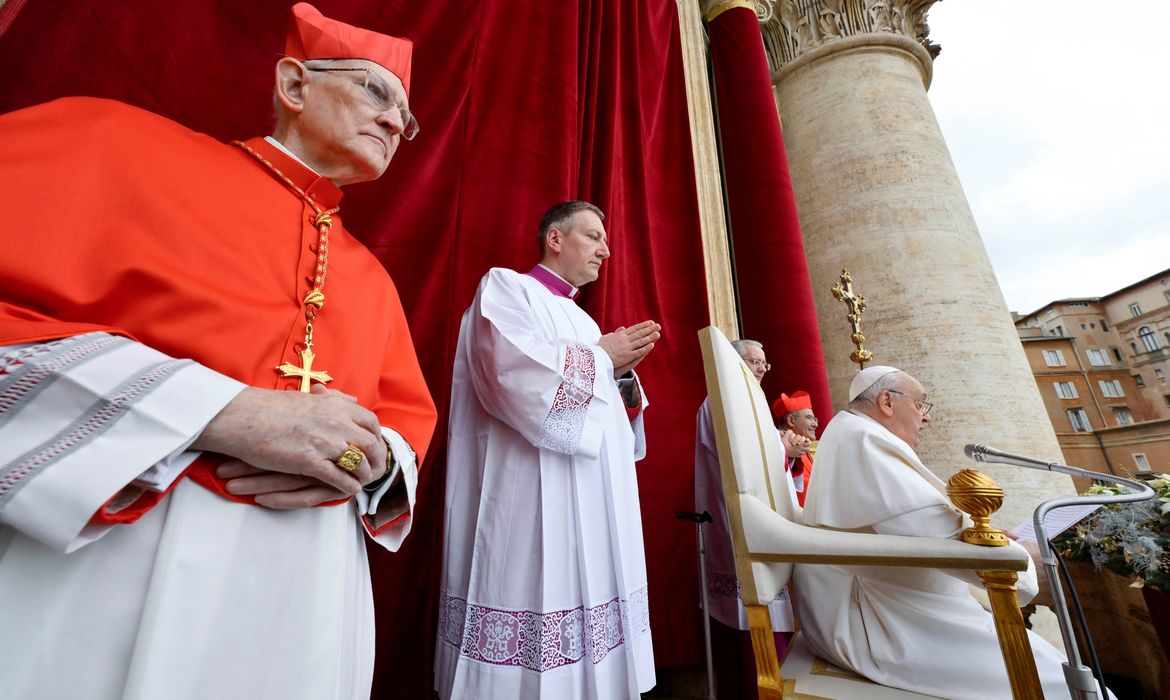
(522,103)
(775,294)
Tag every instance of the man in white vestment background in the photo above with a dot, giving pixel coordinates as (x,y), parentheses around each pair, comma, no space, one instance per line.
(248,590)
(544,576)
(916,629)
(731,644)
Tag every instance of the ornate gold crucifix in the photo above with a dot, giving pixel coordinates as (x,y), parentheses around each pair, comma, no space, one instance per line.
(305,371)
(843,291)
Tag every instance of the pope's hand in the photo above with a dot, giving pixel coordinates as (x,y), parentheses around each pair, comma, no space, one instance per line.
(297,435)
(627,347)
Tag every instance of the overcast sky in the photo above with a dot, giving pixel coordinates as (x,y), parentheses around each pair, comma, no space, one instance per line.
(1057,114)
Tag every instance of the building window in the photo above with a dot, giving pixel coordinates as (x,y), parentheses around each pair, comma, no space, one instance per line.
(1160,375)
(1139,380)
(1060,330)
(1168,337)
(1140,461)
(1148,338)
(1104,326)
(1083,327)
(1078,305)
(1054,358)
(1097,358)
(1167,398)
(1167,294)
(1122,415)
(1133,347)
(1135,309)
(1066,390)
(1092,325)
(1111,388)
(1079,420)
(1117,353)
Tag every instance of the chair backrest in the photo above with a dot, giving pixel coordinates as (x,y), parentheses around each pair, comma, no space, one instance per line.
(751,460)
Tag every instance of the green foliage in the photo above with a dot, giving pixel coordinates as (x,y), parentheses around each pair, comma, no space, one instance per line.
(1131,539)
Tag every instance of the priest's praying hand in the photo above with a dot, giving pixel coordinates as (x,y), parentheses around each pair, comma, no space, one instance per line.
(629,346)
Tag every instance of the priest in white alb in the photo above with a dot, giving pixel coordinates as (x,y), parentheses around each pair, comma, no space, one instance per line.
(915,629)
(544,577)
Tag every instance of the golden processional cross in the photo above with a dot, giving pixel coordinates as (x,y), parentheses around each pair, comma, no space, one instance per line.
(305,371)
(843,291)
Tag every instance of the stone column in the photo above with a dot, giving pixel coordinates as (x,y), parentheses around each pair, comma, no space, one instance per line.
(877,193)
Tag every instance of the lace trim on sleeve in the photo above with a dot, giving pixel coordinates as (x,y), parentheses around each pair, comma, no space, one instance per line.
(565,422)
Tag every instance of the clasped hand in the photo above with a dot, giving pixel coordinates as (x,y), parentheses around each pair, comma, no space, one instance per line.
(283,444)
(795,445)
(627,347)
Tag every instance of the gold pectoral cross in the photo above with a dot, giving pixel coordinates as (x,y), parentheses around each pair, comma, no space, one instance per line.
(305,371)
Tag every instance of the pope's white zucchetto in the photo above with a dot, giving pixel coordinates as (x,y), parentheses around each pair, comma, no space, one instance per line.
(867,378)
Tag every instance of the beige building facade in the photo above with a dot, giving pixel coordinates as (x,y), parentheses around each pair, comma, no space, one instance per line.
(1101,366)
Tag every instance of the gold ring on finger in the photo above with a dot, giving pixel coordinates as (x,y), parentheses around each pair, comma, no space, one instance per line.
(350,459)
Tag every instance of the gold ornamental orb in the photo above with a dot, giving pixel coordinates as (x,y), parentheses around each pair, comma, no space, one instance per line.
(977,495)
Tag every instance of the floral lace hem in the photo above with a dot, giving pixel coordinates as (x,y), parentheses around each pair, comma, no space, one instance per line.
(542,641)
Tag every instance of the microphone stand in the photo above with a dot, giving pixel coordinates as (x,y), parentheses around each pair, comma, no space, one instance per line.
(699,519)
(1081,683)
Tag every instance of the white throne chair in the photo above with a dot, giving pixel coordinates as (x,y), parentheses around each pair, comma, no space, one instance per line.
(768,539)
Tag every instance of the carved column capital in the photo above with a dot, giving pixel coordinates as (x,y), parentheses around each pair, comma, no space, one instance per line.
(800,28)
(711,9)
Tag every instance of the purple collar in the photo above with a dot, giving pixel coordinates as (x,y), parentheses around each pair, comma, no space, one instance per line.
(553,282)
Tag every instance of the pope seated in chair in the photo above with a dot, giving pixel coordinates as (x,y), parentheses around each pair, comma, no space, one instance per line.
(909,628)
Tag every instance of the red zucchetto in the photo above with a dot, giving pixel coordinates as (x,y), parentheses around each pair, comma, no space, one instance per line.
(787,404)
(312,35)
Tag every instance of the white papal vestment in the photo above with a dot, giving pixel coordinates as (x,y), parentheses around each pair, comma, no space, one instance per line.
(916,629)
(544,577)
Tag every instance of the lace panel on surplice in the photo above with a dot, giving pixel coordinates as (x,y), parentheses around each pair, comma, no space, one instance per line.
(565,422)
(24,374)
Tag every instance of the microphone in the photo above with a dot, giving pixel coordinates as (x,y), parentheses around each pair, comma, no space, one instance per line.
(986,453)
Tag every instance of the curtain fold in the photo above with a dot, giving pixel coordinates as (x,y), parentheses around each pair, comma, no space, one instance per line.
(521,103)
(775,293)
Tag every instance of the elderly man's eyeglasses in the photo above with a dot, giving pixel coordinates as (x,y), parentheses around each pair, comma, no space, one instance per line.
(760,364)
(921,406)
(379,95)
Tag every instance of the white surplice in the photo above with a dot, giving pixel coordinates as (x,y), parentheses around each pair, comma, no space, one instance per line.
(910,628)
(544,577)
(723,595)
(200,598)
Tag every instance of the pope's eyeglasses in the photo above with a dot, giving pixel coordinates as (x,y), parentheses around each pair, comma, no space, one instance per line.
(921,406)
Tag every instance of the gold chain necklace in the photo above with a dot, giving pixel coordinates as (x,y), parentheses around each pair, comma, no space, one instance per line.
(315,298)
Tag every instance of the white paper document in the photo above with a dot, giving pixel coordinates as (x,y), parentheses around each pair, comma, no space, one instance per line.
(1057,521)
